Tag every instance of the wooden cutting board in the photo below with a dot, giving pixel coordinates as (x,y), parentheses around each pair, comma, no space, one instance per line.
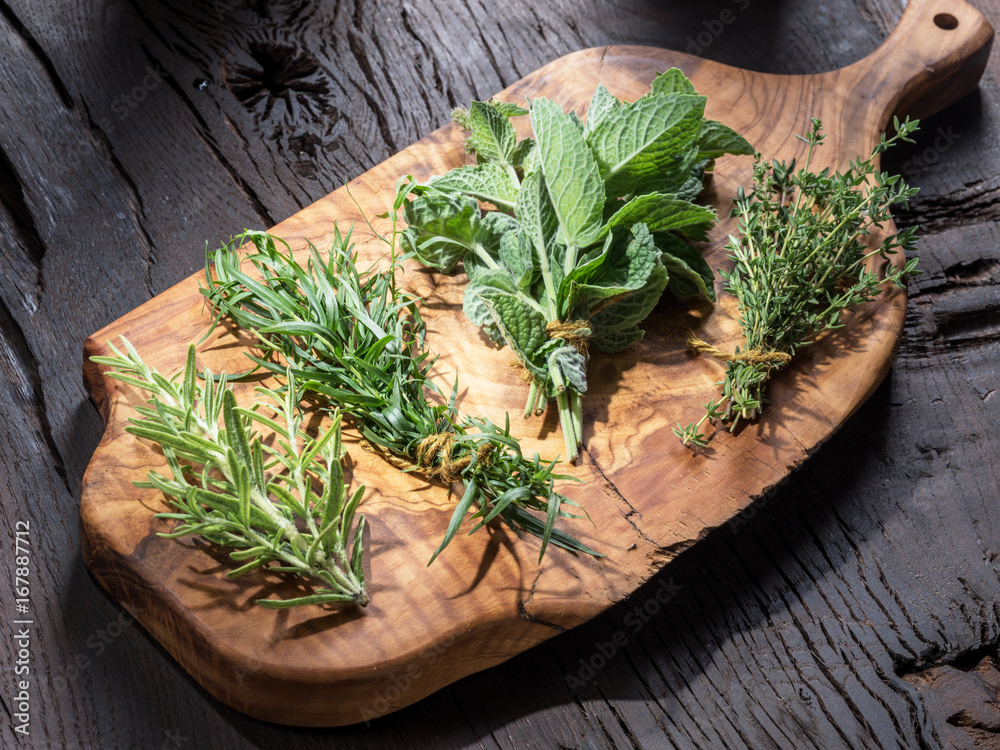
(486,598)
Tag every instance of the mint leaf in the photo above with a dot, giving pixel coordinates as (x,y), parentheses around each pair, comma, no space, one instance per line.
(479,291)
(493,136)
(690,274)
(602,105)
(489,182)
(572,365)
(642,139)
(491,230)
(672,81)
(571,175)
(541,225)
(520,324)
(518,257)
(717,139)
(442,228)
(610,342)
(661,212)
(633,308)
(624,268)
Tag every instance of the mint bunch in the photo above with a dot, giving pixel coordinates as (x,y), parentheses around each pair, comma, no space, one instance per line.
(591,226)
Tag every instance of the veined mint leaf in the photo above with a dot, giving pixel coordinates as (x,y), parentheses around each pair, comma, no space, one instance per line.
(672,81)
(525,155)
(480,289)
(690,273)
(645,138)
(572,365)
(571,175)
(489,182)
(661,212)
(541,224)
(518,257)
(442,228)
(624,268)
(632,309)
(493,136)
(492,228)
(610,342)
(691,186)
(520,324)
(717,139)
(602,105)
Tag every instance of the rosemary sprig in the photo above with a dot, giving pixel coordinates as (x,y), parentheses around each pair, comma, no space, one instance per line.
(355,339)
(286,505)
(801,262)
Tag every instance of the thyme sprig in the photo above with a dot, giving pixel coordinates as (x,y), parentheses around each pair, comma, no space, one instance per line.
(802,261)
(286,505)
(355,339)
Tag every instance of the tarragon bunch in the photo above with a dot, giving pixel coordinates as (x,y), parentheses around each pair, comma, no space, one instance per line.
(284,506)
(589,230)
(354,339)
(802,261)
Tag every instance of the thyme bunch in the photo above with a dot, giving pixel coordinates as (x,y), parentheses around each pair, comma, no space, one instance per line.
(801,262)
(286,505)
(354,339)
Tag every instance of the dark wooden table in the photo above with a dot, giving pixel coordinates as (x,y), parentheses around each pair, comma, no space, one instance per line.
(854,606)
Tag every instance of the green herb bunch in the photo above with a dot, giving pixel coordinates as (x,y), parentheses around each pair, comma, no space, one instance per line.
(354,339)
(286,505)
(589,230)
(801,262)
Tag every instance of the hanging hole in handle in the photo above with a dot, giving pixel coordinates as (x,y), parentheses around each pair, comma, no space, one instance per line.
(946,21)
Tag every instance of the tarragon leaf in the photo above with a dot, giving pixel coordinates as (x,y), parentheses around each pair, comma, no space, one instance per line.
(642,139)
(572,176)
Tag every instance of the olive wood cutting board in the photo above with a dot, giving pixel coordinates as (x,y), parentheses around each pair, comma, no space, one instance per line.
(487,598)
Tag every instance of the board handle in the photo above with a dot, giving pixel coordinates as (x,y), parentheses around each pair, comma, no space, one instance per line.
(933,58)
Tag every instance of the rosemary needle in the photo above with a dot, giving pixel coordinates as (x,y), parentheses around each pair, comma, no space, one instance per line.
(355,339)
(286,505)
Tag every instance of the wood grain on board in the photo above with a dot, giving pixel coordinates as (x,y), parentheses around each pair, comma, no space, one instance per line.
(486,598)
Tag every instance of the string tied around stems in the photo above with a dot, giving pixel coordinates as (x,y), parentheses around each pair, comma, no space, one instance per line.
(772,358)
(433,457)
(576,333)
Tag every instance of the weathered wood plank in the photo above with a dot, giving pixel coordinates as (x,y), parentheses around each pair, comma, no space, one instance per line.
(908,489)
